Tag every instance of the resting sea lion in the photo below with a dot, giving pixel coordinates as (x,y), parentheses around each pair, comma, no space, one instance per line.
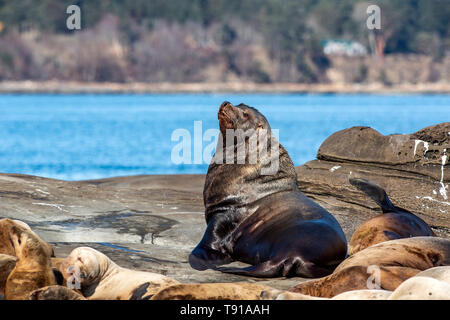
(422,288)
(56,293)
(101,279)
(349,295)
(394,223)
(5,228)
(388,263)
(438,273)
(33,268)
(212,291)
(258,218)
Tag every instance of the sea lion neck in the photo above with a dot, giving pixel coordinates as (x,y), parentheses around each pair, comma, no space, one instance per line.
(236,186)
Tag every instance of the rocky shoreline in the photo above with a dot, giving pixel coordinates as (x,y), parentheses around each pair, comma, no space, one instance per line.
(73,87)
(151,223)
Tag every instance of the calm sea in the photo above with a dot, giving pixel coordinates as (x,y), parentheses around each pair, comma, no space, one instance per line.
(76,137)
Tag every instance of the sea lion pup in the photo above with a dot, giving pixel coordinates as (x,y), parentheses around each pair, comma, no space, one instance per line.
(212,291)
(394,223)
(33,268)
(7,264)
(255,212)
(385,265)
(5,228)
(56,293)
(99,278)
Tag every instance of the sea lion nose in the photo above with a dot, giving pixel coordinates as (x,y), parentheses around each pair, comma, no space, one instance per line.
(224,105)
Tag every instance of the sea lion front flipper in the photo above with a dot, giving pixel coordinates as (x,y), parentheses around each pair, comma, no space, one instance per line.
(375,192)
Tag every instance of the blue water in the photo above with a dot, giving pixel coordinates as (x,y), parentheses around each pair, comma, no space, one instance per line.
(77,137)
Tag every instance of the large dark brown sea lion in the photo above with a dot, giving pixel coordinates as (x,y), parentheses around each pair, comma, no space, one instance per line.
(388,263)
(261,217)
(394,223)
(33,268)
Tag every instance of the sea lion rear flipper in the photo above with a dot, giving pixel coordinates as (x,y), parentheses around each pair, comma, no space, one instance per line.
(265,269)
(285,268)
(375,192)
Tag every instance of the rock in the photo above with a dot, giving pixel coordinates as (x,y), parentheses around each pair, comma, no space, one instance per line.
(148,223)
(151,223)
(412,168)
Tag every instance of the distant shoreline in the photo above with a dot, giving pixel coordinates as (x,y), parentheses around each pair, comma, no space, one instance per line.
(72,87)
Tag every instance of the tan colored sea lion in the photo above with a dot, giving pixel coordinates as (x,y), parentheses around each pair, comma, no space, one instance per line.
(349,295)
(422,288)
(438,273)
(7,264)
(212,291)
(254,210)
(394,223)
(56,266)
(99,278)
(5,228)
(33,268)
(363,295)
(385,265)
(56,293)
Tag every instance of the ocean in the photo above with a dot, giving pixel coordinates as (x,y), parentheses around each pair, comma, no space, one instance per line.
(84,136)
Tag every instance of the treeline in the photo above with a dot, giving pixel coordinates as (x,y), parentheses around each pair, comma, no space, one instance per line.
(204,40)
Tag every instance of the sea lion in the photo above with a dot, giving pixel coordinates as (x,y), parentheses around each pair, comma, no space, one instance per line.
(7,264)
(257,215)
(212,291)
(56,267)
(438,273)
(363,295)
(394,223)
(387,264)
(33,268)
(349,295)
(99,278)
(422,288)
(56,293)
(5,228)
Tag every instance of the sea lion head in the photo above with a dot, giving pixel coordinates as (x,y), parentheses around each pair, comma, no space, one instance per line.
(6,246)
(85,265)
(240,117)
(28,246)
